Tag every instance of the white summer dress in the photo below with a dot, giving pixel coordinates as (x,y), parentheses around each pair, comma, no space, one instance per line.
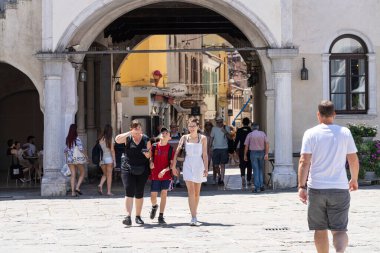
(193,166)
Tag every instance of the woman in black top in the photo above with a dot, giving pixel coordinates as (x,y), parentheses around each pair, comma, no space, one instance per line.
(135,169)
(241,134)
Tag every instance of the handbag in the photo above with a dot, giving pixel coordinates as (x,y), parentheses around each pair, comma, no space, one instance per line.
(15,170)
(66,170)
(182,153)
(137,170)
(78,156)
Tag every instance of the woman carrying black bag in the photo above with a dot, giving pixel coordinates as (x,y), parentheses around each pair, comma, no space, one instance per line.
(134,169)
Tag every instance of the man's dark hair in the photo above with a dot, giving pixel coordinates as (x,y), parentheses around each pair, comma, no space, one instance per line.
(135,123)
(10,142)
(29,138)
(246,121)
(326,108)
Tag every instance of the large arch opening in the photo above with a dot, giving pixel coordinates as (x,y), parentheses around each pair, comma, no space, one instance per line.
(173,18)
(20,113)
(137,21)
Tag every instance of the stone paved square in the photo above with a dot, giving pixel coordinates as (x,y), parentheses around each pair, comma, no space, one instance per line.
(231,220)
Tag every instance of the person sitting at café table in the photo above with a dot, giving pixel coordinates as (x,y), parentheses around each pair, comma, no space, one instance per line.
(31,155)
(13,151)
(29,146)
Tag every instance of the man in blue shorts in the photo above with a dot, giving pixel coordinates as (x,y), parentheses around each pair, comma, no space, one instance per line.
(325,149)
(161,158)
(219,139)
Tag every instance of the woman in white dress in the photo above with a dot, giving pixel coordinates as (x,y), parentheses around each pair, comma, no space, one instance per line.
(195,165)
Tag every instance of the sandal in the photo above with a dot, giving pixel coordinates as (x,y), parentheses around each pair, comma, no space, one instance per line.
(110,194)
(79,192)
(100,190)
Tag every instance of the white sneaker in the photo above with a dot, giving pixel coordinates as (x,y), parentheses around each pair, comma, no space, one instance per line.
(193,221)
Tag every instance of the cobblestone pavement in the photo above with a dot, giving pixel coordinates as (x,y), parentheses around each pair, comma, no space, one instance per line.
(231,220)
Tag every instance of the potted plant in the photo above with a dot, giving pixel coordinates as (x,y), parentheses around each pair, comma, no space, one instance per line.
(368,150)
(363,131)
(369,158)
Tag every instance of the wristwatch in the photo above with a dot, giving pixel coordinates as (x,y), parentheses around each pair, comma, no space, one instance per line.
(302,187)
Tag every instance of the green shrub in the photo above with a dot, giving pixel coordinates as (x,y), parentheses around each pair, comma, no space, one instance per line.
(362,130)
(368,151)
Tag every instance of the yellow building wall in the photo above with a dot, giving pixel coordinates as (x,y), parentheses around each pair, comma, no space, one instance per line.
(137,69)
(210,40)
(223,78)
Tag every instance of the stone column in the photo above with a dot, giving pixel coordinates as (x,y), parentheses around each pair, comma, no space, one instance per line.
(81,112)
(53,182)
(284,175)
(91,126)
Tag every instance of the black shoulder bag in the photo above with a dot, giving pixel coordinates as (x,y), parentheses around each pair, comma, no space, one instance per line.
(136,170)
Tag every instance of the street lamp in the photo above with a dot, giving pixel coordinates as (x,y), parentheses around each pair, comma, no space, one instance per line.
(117,84)
(82,75)
(304,71)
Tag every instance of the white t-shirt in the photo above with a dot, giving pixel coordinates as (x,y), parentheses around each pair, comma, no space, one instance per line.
(328,146)
(220,139)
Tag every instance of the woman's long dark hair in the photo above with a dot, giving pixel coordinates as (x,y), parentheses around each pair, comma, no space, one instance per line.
(71,136)
(107,135)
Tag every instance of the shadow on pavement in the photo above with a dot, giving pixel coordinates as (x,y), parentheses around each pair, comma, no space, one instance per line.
(185,224)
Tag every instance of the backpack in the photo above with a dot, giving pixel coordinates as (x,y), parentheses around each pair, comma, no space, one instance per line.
(230,143)
(97,153)
(170,153)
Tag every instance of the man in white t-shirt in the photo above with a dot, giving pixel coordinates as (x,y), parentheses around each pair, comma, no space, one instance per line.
(325,149)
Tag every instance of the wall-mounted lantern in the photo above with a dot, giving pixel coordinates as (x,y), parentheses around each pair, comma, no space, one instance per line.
(304,71)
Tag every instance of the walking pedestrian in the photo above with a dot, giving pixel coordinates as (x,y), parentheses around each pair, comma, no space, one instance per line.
(194,166)
(258,145)
(134,169)
(160,164)
(207,132)
(219,137)
(325,149)
(108,161)
(73,146)
(241,135)
(176,135)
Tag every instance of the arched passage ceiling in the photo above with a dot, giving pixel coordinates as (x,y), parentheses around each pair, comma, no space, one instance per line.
(170,18)
(13,81)
(173,18)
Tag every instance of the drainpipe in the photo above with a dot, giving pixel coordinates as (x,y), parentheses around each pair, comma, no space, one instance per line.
(216,95)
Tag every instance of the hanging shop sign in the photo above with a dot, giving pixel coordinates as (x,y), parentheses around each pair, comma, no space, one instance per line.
(196,110)
(188,104)
(141,101)
(178,90)
(210,115)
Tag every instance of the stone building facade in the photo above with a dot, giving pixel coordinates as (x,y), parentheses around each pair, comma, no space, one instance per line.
(339,40)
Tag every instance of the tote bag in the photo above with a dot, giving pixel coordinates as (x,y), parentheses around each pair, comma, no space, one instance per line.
(78,156)
(66,170)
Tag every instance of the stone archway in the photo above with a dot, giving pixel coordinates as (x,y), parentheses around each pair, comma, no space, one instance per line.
(20,111)
(276,64)
(91,21)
